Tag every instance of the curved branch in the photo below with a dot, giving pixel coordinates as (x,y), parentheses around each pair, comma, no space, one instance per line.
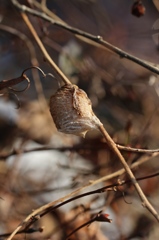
(33,57)
(14,81)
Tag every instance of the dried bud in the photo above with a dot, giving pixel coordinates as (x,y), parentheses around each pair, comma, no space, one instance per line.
(72,112)
(138,9)
(102,218)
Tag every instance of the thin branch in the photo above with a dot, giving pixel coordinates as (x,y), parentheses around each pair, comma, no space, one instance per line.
(98,217)
(24,38)
(80,227)
(142,160)
(142,196)
(42,6)
(42,48)
(136,150)
(96,39)
(36,212)
(33,58)
(110,142)
(97,191)
(28,231)
(34,217)
(78,148)
(14,81)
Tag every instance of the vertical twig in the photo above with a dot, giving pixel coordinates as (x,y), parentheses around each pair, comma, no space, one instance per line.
(142,196)
(40,44)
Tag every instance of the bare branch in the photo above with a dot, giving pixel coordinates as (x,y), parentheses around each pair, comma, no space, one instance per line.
(99,217)
(33,58)
(96,39)
(136,150)
(9,83)
(113,147)
(28,231)
(78,148)
(41,46)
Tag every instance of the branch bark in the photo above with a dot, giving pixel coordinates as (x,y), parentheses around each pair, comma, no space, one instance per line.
(42,48)
(86,35)
(142,196)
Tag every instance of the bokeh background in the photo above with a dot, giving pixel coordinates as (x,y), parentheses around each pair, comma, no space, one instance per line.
(124,96)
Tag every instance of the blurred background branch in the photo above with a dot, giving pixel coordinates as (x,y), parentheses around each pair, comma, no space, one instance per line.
(39,165)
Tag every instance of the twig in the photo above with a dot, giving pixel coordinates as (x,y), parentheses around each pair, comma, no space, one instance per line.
(136,150)
(28,231)
(9,83)
(91,183)
(142,196)
(33,58)
(78,148)
(97,39)
(34,217)
(42,48)
(42,6)
(142,160)
(98,217)
(24,38)
(97,191)
(109,140)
